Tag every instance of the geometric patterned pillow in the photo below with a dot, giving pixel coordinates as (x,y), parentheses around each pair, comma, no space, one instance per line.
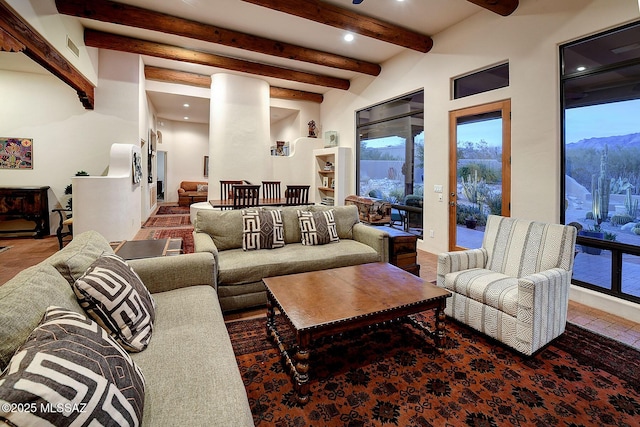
(318,228)
(262,229)
(114,296)
(71,372)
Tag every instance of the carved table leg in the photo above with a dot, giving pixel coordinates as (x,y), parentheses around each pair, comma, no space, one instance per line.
(440,333)
(270,319)
(301,368)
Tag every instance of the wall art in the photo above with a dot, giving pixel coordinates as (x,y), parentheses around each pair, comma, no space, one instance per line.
(16,153)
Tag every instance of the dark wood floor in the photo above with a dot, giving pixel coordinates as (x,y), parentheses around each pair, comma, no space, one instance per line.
(25,252)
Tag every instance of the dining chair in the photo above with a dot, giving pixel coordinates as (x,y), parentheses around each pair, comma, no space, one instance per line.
(245,196)
(226,190)
(271,189)
(297,195)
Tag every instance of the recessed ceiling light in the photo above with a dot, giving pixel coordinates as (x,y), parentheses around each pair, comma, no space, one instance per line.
(581,68)
(348,37)
(185,105)
(186,117)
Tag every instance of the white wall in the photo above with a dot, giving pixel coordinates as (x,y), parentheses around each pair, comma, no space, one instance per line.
(294,125)
(66,137)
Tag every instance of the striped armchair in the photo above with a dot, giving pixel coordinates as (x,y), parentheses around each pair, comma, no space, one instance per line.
(515,288)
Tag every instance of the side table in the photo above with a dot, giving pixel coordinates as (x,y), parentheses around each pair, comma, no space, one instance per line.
(403,250)
(136,249)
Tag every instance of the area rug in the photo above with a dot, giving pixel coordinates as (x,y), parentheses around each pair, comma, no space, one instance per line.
(172,210)
(394,377)
(167,221)
(184,233)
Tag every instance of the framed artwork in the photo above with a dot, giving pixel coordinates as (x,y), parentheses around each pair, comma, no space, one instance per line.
(137,168)
(206,166)
(330,138)
(16,153)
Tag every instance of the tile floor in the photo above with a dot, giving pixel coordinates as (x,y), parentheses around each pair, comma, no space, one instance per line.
(25,252)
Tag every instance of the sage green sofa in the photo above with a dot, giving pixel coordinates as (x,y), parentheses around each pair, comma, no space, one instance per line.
(239,273)
(190,370)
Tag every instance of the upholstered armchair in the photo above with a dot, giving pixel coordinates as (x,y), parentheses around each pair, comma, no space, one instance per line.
(515,288)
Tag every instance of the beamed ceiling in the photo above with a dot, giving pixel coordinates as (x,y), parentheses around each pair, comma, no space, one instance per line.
(297,46)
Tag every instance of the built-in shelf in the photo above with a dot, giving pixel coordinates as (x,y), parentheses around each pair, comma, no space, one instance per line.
(331,185)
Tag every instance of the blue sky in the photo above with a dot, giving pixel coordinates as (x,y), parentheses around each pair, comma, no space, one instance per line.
(488,130)
(618,118)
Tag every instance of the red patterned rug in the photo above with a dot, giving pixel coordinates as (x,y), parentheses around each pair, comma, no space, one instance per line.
(172,210)
(394,377)
(167,221)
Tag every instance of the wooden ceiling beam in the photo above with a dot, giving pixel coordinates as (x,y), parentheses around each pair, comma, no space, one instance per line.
(501,7)
(347,19)
(31,43)
(103,40)
(201,80)
(123,14)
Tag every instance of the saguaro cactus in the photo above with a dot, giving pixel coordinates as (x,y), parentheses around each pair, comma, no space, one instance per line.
(601,189)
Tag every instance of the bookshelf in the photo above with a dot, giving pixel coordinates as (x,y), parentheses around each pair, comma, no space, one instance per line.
(330,165)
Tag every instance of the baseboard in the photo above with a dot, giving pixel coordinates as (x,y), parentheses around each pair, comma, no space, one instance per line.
(616,306)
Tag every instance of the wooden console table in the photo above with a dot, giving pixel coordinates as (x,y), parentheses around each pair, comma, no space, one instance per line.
(30,203)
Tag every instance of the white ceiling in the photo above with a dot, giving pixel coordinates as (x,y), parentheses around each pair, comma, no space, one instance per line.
(425,16)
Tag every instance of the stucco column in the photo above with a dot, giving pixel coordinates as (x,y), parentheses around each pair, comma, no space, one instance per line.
(238,131)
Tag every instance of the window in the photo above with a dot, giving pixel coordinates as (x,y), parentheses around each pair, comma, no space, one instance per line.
(600,80)
(481,81)
(390,149)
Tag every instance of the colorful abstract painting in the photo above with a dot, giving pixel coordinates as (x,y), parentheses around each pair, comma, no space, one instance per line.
(16,153)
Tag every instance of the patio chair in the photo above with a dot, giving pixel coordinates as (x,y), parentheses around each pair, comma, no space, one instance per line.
(515,288)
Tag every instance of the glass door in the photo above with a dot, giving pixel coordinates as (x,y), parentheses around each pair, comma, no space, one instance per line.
(480,173)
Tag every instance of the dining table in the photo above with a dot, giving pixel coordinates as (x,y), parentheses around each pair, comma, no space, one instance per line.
(276,201)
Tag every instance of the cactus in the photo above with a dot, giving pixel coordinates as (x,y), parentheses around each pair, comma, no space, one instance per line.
(621,219)
(600,190)
(631,204)
(470,188)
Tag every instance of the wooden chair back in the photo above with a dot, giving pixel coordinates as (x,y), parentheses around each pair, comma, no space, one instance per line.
(245,196)
(271,189)
(297,195)
(226,190)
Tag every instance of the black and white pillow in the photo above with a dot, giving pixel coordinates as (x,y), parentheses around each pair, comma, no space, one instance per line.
(114,296)
(318,228)
(71,372)
(262,229)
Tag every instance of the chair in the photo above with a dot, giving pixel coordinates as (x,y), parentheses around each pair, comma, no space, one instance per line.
(515,288)
(66,220)
(271,189)
(296,195)
(245,196)
(226,191)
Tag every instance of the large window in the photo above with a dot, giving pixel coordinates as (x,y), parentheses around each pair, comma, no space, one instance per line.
(600,80)
(390,149)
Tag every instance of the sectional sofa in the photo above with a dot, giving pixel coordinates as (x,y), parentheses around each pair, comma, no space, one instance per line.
(237,241)
(189,369)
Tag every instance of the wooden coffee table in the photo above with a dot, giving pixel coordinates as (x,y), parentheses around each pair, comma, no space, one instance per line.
(329,302)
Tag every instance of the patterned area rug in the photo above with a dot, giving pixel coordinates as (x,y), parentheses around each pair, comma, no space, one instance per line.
(172,210)
(393,376)
(184,233)
(167,221)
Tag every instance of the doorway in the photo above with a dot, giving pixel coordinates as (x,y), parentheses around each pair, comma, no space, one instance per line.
(161,183)
(479,170)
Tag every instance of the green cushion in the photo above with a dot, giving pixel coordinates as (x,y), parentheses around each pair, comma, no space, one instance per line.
(23,302)
(224,227)
(79,254)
